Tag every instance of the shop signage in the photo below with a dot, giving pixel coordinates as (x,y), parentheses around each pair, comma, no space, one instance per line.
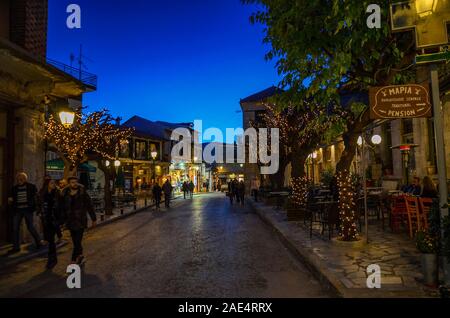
(399,101)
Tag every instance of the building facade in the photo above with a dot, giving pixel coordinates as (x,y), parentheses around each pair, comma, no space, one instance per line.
(30,89)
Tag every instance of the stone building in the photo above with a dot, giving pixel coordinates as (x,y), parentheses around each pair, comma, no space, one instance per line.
(30,88)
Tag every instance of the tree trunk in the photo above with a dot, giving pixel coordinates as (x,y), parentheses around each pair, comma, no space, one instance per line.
(70,170)
(277,179)
(107,195)
(347,202)
(299,157)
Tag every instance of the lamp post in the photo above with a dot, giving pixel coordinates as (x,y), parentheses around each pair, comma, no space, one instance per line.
(154,154)
(312,157)
(67,118)
(376,140)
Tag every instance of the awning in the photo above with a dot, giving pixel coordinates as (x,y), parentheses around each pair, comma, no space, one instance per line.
(58,164)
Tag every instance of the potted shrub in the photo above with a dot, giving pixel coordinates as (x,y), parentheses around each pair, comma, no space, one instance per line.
(427,244)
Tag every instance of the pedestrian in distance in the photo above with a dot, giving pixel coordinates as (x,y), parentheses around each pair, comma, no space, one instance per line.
(167,189)
(185,189)
(254,188)
(48,210)
(191,189)
(232,190)
(157,191)
(75,205)
(23,199)
(241,191)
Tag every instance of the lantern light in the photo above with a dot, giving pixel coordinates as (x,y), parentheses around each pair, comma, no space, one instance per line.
(376,139)
(117,163)
(154,153)
(67,118)
(107,163)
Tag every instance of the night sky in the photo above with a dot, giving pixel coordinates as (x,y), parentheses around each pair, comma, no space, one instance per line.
(172,60)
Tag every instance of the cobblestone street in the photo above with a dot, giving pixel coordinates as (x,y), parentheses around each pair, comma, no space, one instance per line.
(198,248)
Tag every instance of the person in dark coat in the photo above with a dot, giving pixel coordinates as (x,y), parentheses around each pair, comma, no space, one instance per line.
(191,188)
(232,190)
(241,191)
(429,189)
(167,189)
(23,198)
(157,191)
(48,210)
(75,205)
(185,189)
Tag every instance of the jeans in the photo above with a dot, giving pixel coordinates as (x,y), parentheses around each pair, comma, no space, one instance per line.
(50,230)
(167,200)
(77,238)
(17,221)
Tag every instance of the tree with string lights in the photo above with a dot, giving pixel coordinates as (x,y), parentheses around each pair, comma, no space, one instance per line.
(91,137)
(301,129)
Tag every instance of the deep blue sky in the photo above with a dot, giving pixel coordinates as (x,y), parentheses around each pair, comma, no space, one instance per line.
(172,60)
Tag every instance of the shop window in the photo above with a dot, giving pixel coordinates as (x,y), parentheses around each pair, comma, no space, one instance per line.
(141,150)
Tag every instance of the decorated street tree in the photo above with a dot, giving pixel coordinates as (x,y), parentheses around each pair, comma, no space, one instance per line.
(302,127)
(326,47)
(91,137)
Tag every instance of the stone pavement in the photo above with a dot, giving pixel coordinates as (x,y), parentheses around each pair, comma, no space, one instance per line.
(343,265)
(28,250)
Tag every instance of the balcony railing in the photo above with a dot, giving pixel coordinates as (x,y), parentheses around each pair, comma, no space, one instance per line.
(86,78)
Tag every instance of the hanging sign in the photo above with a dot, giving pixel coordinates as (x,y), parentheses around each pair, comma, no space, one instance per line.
(399,101)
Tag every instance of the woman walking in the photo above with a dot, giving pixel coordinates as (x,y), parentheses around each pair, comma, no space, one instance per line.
(47,208)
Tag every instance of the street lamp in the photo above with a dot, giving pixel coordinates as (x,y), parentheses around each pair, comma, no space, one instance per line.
(67,118)
(376,140)
(154,154)
(117,163)
(107,163)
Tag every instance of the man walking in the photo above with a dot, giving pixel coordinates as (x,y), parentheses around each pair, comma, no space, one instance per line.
(167,189)
(157,190)
(23,200)
(191,189)
(75,206)
(184,188)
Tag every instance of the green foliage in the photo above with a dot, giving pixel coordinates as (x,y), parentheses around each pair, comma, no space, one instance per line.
(323,46)
(426,243)
(326,177)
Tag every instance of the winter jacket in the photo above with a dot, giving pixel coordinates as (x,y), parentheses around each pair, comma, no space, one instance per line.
(31,197)
(48,207)
(74,209)
(167,188)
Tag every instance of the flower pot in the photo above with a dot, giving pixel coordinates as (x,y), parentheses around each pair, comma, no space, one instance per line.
(429,269)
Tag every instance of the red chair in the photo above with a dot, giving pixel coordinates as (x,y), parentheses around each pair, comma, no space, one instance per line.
(412,207)
(398,214)
(425,207)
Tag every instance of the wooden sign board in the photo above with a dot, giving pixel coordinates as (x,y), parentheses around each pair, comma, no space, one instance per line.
(399,101)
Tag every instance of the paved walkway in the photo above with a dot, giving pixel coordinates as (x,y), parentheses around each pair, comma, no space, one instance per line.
(343,265)
(198,248)
(28,250)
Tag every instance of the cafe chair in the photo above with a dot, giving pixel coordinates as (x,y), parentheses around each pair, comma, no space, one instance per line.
(412,207)
(425,207)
